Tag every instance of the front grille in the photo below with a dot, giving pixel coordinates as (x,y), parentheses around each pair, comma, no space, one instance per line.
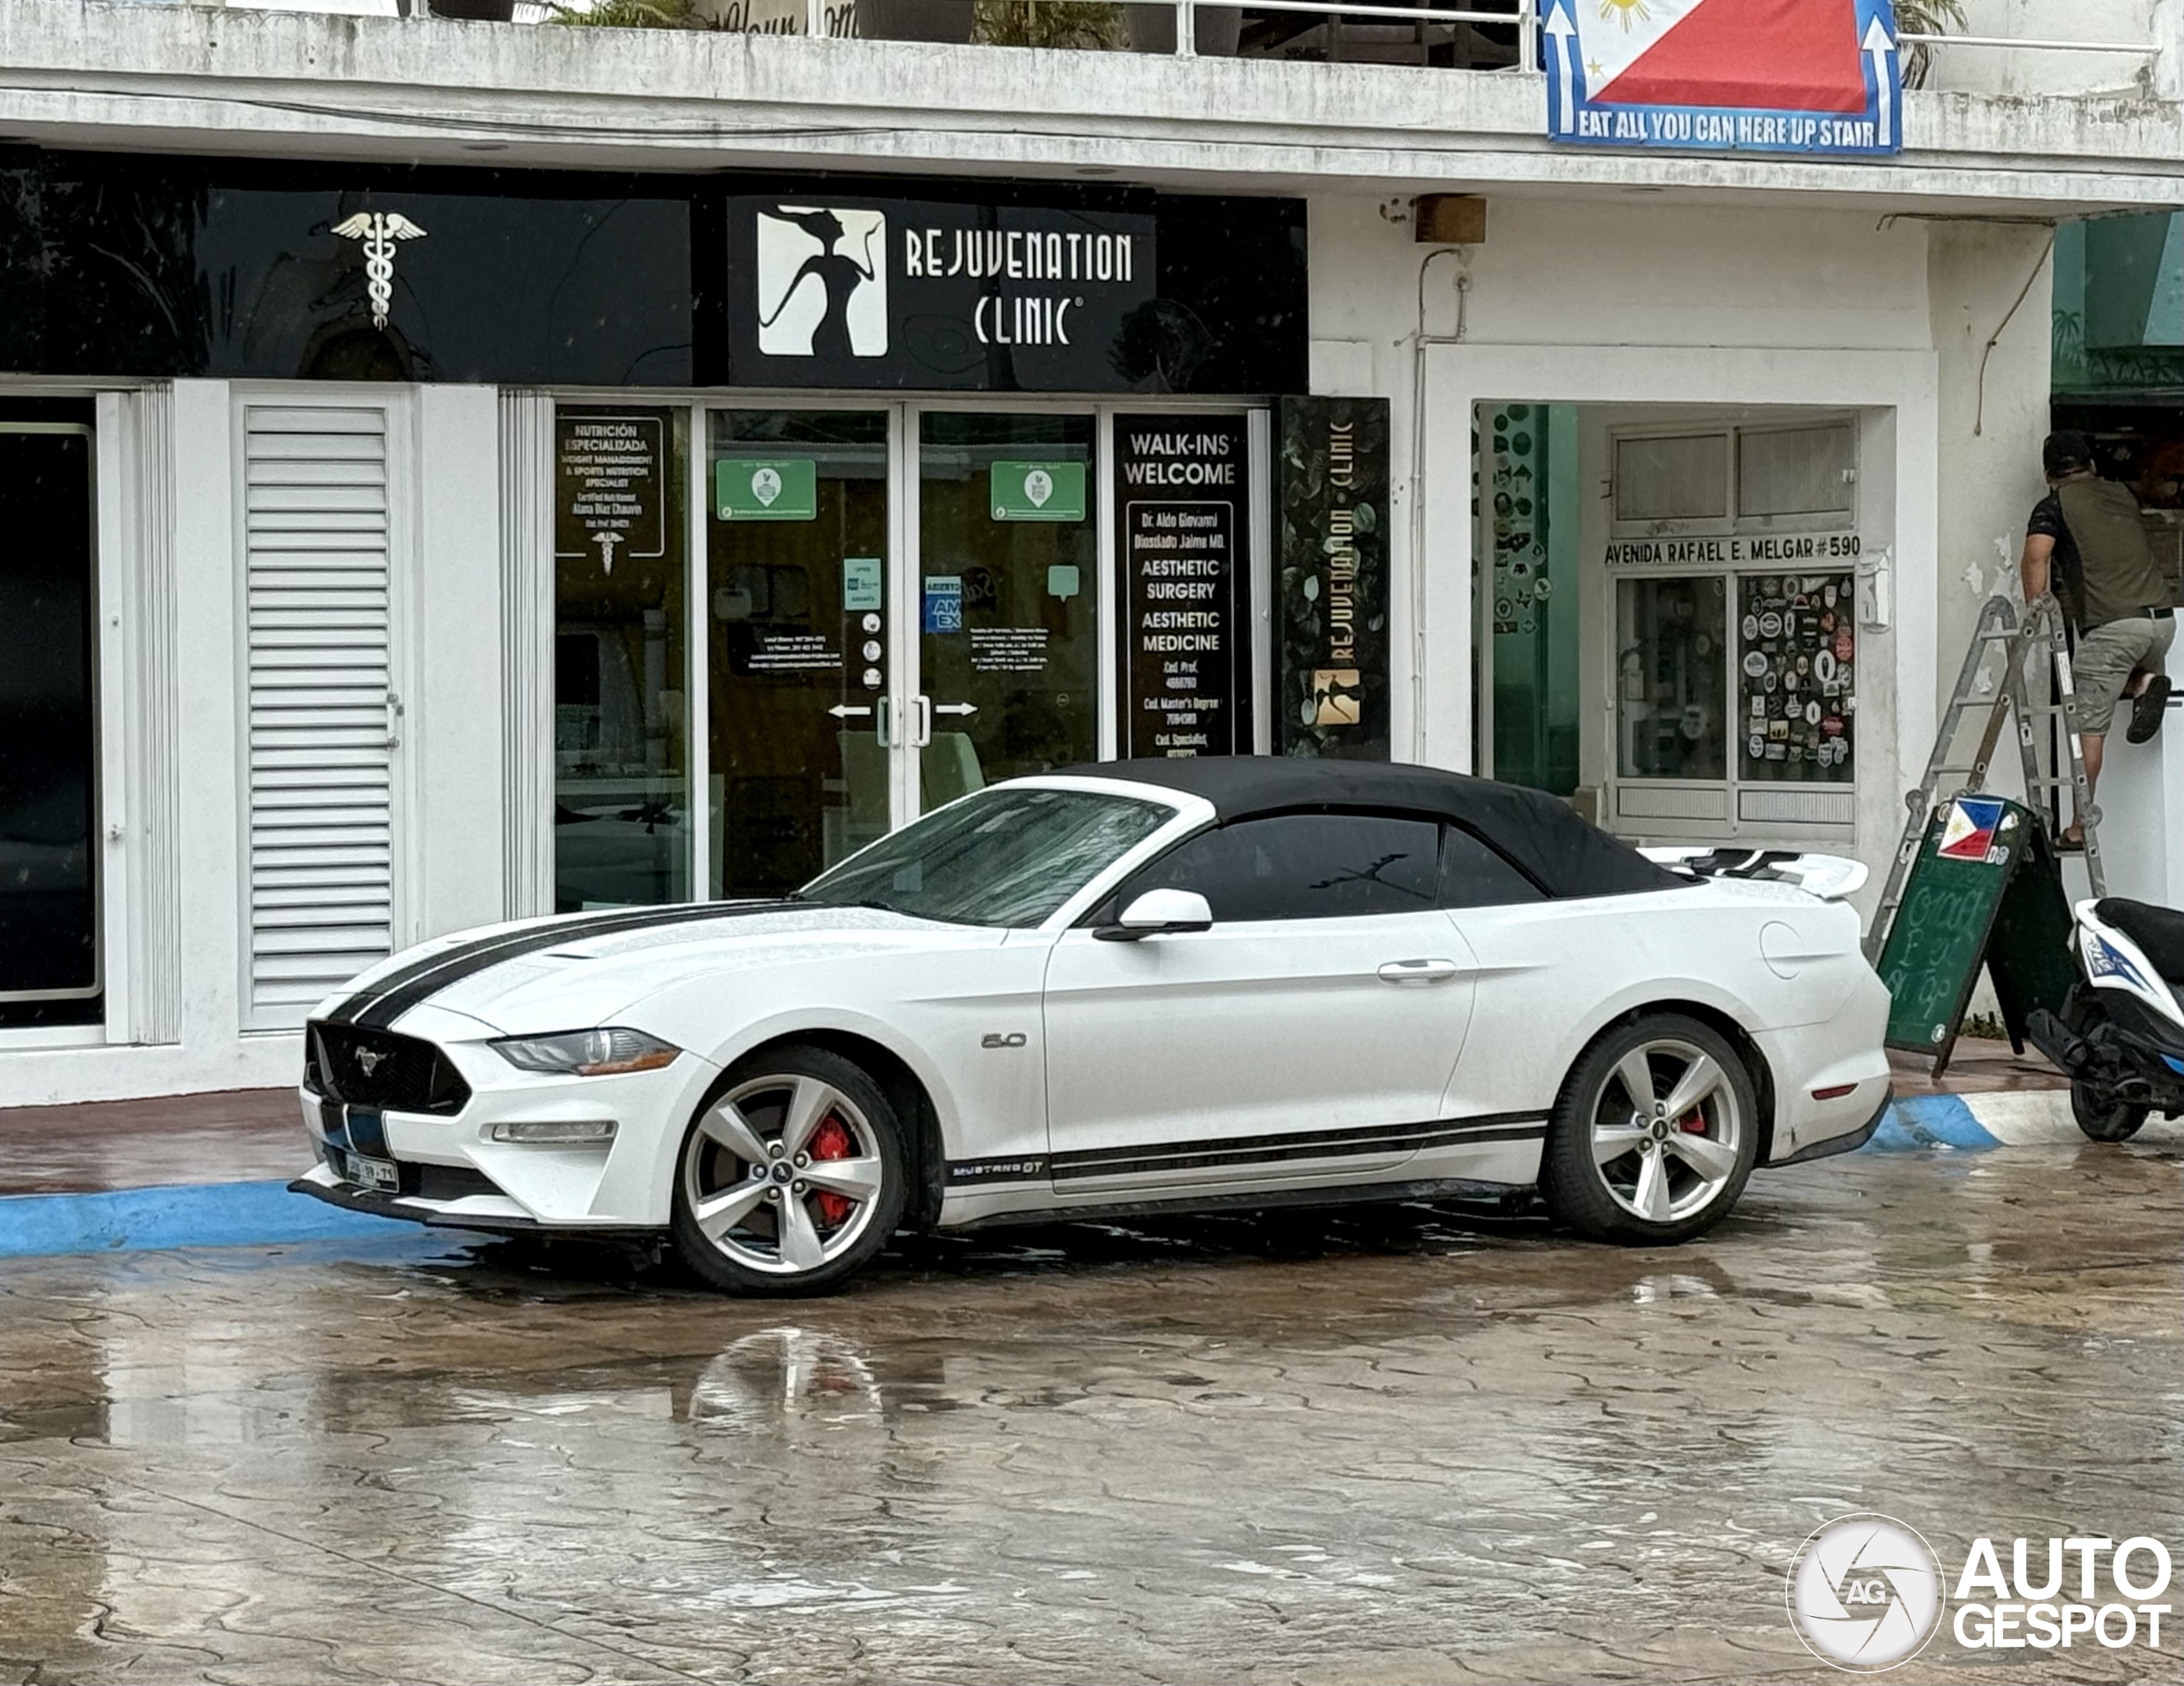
(378,1068)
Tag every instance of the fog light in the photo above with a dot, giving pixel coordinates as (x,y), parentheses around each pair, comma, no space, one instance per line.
(557,1131)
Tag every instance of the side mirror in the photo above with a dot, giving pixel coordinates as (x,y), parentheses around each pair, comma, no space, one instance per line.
(1159,910)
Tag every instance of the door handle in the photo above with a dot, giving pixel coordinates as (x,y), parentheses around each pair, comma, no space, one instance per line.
(885,706)
(954,708)
(921,721)
(1418,971)
(394,721)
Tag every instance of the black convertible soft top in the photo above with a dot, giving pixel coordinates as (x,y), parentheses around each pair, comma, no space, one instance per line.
(1566,856)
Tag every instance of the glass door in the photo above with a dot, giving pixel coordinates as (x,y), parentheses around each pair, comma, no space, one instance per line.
(902,607)
(801,696)
(49,962)
(1008,579)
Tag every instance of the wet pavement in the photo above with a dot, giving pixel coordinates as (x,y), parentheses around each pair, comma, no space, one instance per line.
(227,1137)
(1390,1446)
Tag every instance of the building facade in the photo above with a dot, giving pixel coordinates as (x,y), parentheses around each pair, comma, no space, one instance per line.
(462,471)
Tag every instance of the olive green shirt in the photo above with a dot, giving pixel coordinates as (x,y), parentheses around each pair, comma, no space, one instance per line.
(2116,575)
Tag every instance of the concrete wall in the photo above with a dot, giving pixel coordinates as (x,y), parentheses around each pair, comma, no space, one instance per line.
(448,648)
(1606,306)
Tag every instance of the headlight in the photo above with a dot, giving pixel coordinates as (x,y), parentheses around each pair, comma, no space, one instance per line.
(587,1053)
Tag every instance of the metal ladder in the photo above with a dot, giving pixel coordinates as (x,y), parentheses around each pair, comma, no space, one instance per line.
(1999,625)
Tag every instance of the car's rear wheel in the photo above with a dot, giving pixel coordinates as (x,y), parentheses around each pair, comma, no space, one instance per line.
(791,1176)
(1654,1134)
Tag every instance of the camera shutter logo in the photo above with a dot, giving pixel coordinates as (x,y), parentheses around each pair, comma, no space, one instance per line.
(1865,1593)
(821,282)
(379,230)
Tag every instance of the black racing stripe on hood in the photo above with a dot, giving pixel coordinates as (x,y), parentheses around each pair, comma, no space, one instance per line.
(349,1011)
(388,999)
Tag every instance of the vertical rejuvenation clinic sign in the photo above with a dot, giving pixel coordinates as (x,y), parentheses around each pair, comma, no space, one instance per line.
(1332,690)
(1180,487)
(1797,76)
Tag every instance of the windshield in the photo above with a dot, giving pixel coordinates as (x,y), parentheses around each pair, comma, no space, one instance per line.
(1008,856)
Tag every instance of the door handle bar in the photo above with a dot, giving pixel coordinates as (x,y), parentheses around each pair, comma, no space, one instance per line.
(1418,971)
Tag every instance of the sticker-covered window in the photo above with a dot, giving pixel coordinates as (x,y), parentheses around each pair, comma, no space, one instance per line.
(1796,642)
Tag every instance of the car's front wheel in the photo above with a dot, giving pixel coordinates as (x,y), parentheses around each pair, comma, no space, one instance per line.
(791,1176)
(1654,1134)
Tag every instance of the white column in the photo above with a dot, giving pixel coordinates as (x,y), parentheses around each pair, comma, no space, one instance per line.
(525,437)
(206,730)
(454,629)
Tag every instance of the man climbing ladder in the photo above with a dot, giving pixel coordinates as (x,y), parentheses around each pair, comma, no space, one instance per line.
(2085,543)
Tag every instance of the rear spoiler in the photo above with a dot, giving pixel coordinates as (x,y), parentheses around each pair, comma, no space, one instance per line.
(1833,878)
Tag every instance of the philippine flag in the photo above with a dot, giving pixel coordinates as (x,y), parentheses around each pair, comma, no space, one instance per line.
(1969,831)
(1762,54)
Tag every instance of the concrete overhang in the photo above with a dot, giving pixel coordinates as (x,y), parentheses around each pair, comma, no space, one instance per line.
(78,73)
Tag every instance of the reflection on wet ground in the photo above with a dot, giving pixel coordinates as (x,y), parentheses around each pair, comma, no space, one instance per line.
(1388,1446)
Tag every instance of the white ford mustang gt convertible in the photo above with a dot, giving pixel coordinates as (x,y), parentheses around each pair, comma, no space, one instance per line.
(1143,986)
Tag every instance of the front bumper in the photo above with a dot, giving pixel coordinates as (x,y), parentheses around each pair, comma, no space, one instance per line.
(453,1173)
(492,1214)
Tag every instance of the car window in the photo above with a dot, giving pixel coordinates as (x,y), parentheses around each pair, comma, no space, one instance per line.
(1303,866)
(1473,874)
(1008,856)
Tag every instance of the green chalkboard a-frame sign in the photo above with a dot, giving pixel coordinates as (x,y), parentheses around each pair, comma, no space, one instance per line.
(1985,887)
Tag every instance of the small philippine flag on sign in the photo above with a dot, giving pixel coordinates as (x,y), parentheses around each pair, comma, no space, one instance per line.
(1969,832)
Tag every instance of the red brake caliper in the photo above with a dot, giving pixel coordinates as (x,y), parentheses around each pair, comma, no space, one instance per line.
(1694,1123)
(831,1141)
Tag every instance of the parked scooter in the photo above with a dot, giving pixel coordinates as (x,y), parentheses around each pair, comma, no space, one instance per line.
(2121,1036)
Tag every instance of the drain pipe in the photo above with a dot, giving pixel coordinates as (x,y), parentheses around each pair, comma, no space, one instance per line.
(1421,340)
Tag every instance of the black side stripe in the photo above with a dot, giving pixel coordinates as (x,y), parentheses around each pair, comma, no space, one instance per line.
(1304,1144)
(380,1003)
(1247,1150)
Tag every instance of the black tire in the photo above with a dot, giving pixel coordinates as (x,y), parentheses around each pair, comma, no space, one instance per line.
(2100,1116)
(759,1248)
(1605,1198)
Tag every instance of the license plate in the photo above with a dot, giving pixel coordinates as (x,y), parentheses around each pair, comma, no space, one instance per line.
(368,1173)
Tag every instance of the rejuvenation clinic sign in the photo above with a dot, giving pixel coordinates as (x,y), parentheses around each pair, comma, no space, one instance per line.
(830,290)
(1795,76)
(1331,695)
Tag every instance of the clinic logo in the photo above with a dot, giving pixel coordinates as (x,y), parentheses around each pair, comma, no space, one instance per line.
(379,230)
(821,282)
(1865,1593)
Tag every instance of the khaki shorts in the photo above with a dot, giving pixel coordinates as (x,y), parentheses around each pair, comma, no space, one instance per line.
(2104,659)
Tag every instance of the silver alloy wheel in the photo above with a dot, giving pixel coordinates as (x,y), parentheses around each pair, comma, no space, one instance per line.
(754,1181)
(1666,1130)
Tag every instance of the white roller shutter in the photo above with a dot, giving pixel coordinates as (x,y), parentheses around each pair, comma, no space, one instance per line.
(321,706)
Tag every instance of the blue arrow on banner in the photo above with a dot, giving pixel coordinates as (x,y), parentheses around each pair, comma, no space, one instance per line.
(1884,68)
(1565,77)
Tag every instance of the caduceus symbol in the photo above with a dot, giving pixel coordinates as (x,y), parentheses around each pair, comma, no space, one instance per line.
(379,230)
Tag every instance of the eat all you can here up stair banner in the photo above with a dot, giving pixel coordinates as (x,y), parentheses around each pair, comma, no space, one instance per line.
(1796,76)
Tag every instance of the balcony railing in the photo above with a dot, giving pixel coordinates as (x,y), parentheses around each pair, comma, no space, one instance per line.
(1490,35)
